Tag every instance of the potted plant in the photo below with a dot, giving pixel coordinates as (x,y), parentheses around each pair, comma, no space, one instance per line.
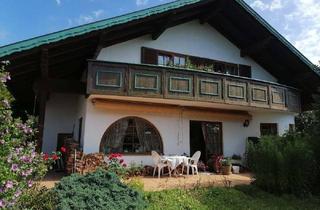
(226,166)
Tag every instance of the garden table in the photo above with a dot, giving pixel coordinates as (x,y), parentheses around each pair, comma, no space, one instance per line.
(175,160)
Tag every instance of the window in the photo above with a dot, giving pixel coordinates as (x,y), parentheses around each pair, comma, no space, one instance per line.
(179,61)
(164,60)
(231,69)
(131,135)
(292,127)
(267,129)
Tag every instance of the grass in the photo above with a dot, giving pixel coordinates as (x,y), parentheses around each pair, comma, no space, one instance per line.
(237,198)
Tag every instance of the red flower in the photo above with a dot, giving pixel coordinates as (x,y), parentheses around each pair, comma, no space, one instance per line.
(115,156)
(55,157)
(63,149)
(45,156)
(121,161)
(124,165)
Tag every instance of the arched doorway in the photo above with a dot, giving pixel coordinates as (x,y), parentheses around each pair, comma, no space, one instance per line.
(131,135)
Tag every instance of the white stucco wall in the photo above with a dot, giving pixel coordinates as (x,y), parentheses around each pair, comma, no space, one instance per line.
(190,38)
(62,114)
(174,129)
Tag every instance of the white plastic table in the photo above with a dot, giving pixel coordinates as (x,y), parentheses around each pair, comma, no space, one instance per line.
(175,160)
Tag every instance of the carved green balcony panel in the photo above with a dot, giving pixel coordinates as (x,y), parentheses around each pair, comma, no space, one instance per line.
(109,78)
(150,81)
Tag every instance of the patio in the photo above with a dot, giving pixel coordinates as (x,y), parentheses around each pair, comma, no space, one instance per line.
(182,182)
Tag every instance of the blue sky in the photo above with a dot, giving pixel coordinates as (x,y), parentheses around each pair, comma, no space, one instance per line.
(297,20)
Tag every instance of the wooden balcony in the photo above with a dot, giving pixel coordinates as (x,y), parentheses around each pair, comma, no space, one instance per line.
(109,78)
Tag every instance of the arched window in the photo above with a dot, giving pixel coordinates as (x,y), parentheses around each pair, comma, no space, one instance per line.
(131,135)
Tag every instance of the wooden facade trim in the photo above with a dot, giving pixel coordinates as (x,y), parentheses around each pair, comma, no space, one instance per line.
(184,84)
(43,94)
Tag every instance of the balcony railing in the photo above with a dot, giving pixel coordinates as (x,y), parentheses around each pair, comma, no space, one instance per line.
(110,78)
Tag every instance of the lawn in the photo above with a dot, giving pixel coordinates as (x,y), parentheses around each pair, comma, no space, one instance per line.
(240,197)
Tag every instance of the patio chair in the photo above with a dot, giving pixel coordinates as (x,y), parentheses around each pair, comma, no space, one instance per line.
(159,163)
(193,163)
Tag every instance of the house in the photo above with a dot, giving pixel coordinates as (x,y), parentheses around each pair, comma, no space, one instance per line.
(176,78)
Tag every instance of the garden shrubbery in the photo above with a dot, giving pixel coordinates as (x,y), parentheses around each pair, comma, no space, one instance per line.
(291,163)
(97,190)
(283,164)
(20,164)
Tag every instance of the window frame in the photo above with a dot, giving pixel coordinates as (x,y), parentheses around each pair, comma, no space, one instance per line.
(240,70)
(270,127)
(103,141)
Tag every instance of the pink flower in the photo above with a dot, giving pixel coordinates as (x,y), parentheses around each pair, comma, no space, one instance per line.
(2,204)
(18,193)
(26,159)
(27,172)
(30,183)
(9,184)
(15,167)
(18,150)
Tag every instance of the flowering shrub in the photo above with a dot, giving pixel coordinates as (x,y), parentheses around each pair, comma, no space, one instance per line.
(116,164)
(20,164)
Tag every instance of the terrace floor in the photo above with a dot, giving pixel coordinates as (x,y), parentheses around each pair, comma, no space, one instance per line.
(182,182)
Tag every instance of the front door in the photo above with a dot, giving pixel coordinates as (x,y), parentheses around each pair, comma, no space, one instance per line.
(207,138)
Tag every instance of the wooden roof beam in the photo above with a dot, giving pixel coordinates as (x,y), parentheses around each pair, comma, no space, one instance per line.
(59,86)
(212,13)
(157,33)
(257,47)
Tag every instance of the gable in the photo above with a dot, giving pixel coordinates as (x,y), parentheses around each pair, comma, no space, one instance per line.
(66,52)
(191,38)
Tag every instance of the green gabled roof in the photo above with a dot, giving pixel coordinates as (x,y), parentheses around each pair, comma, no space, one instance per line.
(83,29)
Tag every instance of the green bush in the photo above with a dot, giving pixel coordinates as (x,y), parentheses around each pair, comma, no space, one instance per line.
(283,164)
(97,190)
(37,198)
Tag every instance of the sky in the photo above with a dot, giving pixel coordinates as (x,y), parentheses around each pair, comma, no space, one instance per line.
(297,20)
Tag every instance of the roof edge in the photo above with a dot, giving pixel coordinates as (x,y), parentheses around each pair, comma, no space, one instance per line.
(283,40)
(37,41)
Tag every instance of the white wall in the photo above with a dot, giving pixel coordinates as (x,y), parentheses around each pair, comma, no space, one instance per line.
(190,38)
(62,114)
(174,129)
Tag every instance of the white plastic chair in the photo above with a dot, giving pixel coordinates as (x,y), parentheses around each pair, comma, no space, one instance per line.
(193,163)
(159,163)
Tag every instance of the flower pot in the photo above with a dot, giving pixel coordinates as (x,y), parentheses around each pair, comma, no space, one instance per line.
(226,170)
